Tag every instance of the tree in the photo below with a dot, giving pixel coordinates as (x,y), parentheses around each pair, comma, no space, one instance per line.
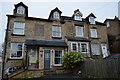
(72,60)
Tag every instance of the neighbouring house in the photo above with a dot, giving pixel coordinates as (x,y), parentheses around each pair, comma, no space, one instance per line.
(37,43)
(0,66)
(113,27)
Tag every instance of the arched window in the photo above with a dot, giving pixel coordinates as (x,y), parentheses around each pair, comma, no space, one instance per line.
(56,15)
(20,10)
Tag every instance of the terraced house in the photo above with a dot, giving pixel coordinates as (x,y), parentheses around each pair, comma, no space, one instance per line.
(37,43)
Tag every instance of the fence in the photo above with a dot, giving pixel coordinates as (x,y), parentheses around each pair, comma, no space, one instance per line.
(102,68)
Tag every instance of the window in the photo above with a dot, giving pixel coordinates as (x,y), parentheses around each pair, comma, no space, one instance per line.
(84,47)
(20,10)
(56,31)
(95,49)
(74,46)
(56,15)
(108,24)
(79,31)
(77,17)
(58,57)
(16,50)
(93,33)
(92,20)
(19,28)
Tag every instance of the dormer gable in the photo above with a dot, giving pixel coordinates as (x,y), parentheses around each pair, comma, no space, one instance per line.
(21,9)
(77,15)
(91,18)
(55,14)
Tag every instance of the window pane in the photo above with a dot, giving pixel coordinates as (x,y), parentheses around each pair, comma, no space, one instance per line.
(19,54)
(19,46)
(79,31)
(18,31)
(83,47)
(93,33)
(58,61)
(74,46)
(18,28)
(92,20)
(56,31)
(20,10)
(56,15)
(16,50)
(58,56)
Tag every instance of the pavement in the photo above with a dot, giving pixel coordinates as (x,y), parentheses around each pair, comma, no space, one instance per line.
(60,77)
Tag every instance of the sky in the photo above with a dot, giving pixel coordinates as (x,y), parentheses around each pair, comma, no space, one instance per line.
(41,8)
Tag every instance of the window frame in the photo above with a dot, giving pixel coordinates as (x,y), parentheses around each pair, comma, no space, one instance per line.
(20,10)
(91,33)
(92,20)
(78,18)
(62,52)
(56,15)
(55,31)
(87,46)
(76,46)
(108,24)
(18,28)
(82,31)
(16,53)
(95,49)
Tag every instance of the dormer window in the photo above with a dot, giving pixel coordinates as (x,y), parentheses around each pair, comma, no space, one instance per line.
(77,17)
(20,10)
(92,20)
(56,15)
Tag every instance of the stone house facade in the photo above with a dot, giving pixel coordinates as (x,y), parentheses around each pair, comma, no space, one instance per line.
(113,27)
(37,43)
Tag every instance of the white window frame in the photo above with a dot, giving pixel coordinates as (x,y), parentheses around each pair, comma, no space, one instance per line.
(92,20)
(22,51)
(20,10)
(86,45)
(19,28)
(93,49)
(78,18)
(53,31)
(108,24)
(61,57)
(92,34)
(76,46)
(56,15)
(80,31)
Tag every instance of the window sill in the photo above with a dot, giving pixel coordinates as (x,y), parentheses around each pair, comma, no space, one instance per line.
(14,58)
(57,37)
(57,65)
(18,34)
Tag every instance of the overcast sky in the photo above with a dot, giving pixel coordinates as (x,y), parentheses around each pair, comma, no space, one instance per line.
(101,8)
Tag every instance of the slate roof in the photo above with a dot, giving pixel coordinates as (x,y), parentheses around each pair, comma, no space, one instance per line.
(45,43)
(77,39)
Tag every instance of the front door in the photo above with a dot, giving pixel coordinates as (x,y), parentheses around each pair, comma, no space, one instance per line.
(32,58)
(46,59)
(104,50)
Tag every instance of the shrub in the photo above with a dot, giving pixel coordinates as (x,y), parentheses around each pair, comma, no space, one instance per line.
(72,60)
